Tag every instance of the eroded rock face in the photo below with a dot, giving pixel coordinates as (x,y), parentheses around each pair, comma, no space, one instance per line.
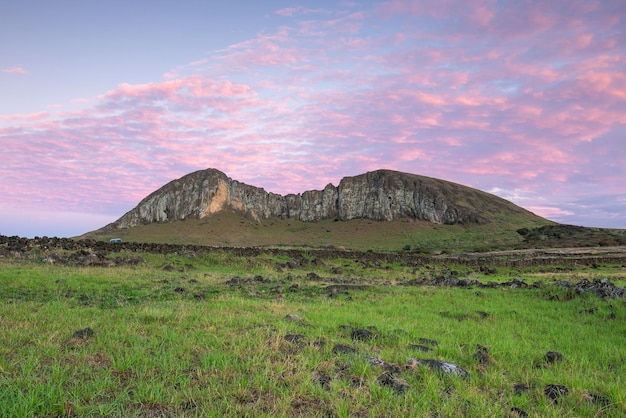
(381,195)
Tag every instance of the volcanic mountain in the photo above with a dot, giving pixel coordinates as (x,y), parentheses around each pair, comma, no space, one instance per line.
(210,200)
(381,195)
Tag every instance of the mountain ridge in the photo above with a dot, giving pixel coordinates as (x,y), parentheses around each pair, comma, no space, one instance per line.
(381,195)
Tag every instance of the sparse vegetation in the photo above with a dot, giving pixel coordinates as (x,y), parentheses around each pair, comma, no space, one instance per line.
(230,229)
(219,334)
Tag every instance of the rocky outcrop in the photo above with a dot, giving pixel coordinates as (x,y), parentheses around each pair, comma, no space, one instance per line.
(381,195)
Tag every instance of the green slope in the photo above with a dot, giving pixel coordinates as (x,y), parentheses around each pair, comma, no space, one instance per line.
(229,229)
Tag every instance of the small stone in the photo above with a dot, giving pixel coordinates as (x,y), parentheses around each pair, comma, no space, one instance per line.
(440,366)
(427,341)
(362,335)
(344,349)
(482,355)
(293,317)
(419,347)
(554,392)
(387,380)
(84,333)
(319,343)
(520,388)
(597,399)
(553,357)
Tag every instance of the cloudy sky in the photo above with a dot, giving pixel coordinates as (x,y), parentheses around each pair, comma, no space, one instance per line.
(102,103)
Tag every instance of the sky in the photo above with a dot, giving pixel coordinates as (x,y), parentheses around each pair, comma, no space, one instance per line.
(101,103)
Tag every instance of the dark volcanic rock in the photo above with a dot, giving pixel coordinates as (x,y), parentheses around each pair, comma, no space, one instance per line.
(554,392)
(553,357)
(520,388)
(428,341)
(297,339)
(597,399)
(600,287)
(482,355)
(362,335)
(387,380)
(343,349)
(440,366)
(419,347)
(84,333)
(388,367)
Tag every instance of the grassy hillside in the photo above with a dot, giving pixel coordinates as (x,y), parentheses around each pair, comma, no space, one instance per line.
(229,229)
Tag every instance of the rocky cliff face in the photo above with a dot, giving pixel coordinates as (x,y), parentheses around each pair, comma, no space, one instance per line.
(379,195)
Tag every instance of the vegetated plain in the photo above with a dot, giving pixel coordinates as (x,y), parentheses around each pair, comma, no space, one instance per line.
(214,333)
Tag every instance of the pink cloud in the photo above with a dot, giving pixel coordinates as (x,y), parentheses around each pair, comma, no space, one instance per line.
(510,96)
(294,11)
(550,212)
(15,70)
(20,118)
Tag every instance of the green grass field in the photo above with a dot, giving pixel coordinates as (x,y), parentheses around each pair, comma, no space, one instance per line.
(209,335)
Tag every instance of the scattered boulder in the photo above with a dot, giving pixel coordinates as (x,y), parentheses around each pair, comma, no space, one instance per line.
(516,283)
(597,399)
(482,355)
(293,317)
(520,388)
(387,380)
(388,367)
(83,333)
(320,342)
(427,341)
(235,281)
(362,335)
(444,367)
(555,392)
(602,288)
(553,357)
(343,349)
(297,339)
(420,347)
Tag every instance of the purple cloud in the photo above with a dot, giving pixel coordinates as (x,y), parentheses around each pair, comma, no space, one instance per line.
(525,100)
